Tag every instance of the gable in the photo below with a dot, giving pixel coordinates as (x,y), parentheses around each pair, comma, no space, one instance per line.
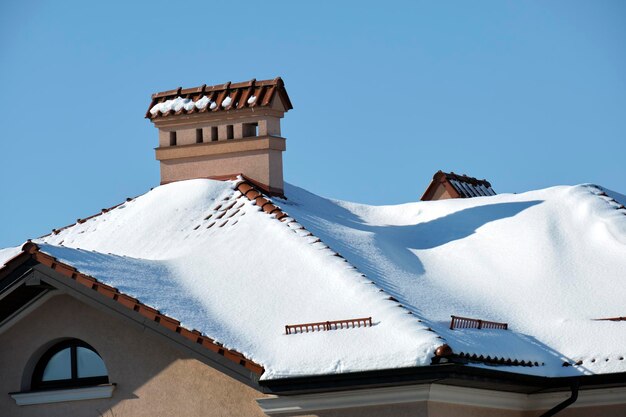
(141,362)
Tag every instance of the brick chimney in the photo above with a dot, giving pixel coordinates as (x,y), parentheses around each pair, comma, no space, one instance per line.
(222,130)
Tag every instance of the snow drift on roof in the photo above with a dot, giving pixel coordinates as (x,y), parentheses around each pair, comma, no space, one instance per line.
(8,253)
(239,276)
(546,262)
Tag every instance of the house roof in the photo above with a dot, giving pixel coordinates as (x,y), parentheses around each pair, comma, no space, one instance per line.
(32,251)
(458,186)
(217,98)
(223,259)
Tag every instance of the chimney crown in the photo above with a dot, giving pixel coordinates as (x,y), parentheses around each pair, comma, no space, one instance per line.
(222,130)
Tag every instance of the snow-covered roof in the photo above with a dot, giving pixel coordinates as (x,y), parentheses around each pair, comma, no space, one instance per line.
(547,263)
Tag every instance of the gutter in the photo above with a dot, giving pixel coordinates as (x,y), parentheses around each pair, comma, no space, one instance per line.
(446,373)
(562,406)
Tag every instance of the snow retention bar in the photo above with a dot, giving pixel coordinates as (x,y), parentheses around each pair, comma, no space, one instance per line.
(328,325)
(612,319)
(467,323)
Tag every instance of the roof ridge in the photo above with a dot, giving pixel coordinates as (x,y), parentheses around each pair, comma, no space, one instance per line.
(84,219)
(250,191)
(31,250)
(618,205)
(466,178)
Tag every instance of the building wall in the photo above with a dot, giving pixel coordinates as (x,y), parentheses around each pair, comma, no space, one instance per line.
(153,377)
(437,409)
(264,166)
(441,193)
(603,411)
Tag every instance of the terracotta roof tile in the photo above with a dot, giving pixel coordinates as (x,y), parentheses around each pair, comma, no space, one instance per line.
(239,93)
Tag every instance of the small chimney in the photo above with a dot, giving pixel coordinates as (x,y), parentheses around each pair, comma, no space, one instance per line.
(221,131)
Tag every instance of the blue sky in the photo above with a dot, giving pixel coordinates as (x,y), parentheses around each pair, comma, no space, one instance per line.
(527,94)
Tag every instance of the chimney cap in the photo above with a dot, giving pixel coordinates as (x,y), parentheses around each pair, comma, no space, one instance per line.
(263,91)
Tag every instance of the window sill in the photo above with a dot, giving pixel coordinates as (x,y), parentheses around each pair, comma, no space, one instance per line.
(61,395)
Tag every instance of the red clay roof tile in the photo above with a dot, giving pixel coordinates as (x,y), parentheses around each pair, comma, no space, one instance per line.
(239,93)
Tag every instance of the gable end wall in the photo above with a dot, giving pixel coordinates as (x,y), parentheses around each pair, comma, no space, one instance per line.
(152,376)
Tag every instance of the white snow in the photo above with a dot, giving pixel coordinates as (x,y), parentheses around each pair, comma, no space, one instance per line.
(242,283)
(8,253)
(546,262)
(178,103)
(175,104)
(252,99)
(226,102)
(203,102)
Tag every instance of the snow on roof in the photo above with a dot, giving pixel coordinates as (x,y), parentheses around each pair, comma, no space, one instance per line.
(241,278)
(8,253)
(546,262)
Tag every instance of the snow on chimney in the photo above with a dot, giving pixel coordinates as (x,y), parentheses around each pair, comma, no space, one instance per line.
(222,130)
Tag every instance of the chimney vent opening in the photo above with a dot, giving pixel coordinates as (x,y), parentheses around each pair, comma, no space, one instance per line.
(198,135)
(230,133)
(214,134)
(250,130)
(173,138)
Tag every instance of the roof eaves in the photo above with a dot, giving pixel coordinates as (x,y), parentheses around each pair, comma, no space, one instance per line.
(447,373)
(31,251)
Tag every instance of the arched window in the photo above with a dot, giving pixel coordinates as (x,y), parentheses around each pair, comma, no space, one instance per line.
(71,363)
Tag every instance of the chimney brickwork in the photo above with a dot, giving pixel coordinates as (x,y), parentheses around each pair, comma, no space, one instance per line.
(223,130)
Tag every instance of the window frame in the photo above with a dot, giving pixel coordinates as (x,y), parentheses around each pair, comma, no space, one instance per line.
(37,382)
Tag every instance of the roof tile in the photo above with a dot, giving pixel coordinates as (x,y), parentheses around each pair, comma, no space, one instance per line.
(239,94)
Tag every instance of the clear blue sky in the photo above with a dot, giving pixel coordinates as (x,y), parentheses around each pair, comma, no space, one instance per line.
(528,94)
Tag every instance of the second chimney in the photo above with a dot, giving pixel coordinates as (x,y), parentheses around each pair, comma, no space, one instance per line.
(221,131)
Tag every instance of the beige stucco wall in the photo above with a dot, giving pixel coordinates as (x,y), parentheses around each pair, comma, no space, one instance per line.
(154,378)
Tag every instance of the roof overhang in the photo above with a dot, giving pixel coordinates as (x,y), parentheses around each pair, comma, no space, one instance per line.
(443,374)
(26,283)
(438,393)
